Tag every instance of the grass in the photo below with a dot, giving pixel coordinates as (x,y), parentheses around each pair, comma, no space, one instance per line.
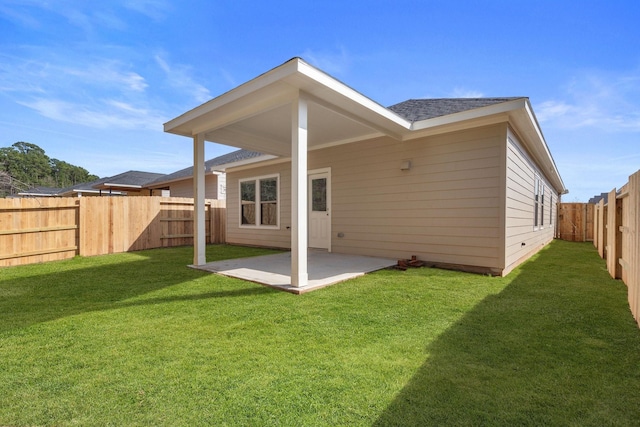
(139,339)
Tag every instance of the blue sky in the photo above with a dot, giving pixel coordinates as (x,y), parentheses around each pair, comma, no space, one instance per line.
(93,82)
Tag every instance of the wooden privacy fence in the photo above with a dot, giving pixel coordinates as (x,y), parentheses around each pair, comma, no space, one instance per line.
(575,222)
(47,229)
(616,235)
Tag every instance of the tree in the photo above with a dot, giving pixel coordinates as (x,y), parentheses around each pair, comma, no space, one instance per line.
(29,163)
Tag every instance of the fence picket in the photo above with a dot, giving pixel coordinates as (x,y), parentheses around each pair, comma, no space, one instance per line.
(47,229)
(616,229)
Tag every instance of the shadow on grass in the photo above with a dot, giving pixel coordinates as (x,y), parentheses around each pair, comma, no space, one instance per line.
(40,293)
(557,346)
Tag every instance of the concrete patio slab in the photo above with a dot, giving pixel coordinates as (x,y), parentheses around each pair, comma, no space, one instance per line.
(324,269)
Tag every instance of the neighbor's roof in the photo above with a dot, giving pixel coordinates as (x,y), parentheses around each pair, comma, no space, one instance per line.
(129,179)
(233,157)
(40,191)
(84,187)
(415,110)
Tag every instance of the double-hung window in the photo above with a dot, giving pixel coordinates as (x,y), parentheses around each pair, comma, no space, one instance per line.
(542,190)
(538,203)
(259,202)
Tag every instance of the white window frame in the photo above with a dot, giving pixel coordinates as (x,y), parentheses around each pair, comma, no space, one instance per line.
(258,202)
(536,202)
(540,203)
(543,190)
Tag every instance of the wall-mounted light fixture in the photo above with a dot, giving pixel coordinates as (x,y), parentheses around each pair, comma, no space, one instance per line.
(405,165)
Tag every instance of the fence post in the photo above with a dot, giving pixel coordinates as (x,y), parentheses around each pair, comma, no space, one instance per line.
(633,277)
(602,228)
(595,225)
(612,256)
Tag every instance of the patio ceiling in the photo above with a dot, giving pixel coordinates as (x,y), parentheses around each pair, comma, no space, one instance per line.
(258,115)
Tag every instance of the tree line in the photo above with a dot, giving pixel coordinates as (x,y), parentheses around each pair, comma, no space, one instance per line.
(29,164)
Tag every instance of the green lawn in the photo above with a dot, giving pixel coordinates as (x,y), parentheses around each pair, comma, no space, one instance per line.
(140,339)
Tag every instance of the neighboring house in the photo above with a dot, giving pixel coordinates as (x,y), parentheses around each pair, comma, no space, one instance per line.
(463,183)
(180,183)
(131,183)
(39,192)
(596,199)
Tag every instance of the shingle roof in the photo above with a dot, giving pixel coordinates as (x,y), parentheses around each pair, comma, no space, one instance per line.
(421,109)
(40,191)
(234,156)
(85,186)
(132,178)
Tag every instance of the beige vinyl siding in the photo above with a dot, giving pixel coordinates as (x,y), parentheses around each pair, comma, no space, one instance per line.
(445,209)
(523,239)
(268,237)
(184,188)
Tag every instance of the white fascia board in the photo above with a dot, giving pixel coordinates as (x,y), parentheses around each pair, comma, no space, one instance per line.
(372,123)
(267,99)
(476,113)
(106,184)
(165,183)
(277,87)
(328,82)
(347,141)
(37,194)
(543,145)
(238,92)
(245,162)
(458,126)
(266,162)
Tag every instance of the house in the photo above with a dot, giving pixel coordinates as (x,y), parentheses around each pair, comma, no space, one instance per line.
(180,183)
(467,183)
(130,183)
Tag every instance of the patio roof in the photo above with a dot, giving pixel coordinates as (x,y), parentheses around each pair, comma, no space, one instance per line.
(257,115)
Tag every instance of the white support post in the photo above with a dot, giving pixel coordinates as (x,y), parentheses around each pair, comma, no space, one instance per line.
(299,205)
(199,227)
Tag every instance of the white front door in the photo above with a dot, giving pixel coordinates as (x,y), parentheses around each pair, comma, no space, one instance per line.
(320,209)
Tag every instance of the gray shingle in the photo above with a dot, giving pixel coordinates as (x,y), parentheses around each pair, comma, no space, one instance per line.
(234,156)
(415,110)
(133,178)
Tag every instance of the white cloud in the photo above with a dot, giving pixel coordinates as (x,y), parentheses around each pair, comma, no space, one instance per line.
(20,15)
(459,92)
(94,92)
(154,9)
(37,71)
(596,99)
(108,73)
(337,63)
(90,17)
(108,114)
(179,77)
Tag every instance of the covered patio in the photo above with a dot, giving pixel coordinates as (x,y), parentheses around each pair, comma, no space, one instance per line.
(284,113)
(324,269)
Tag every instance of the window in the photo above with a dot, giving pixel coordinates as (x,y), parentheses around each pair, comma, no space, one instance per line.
(539,191)
(542,189)
(536,201)
(259,202)
(551,203)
